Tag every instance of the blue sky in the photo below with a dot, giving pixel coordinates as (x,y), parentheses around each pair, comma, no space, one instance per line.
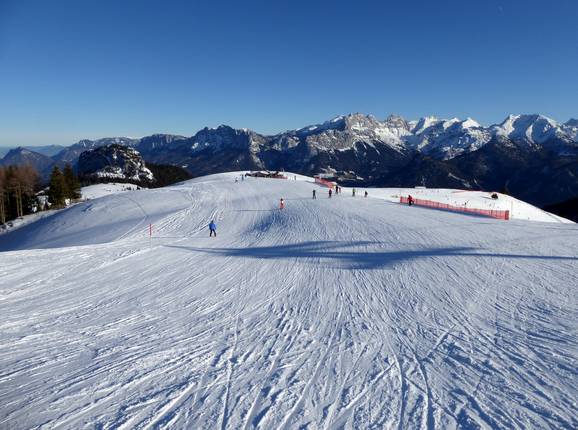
(73,69)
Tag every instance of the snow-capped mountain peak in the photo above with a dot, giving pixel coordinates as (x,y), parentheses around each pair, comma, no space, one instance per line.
(397,122)
(570,127)
(447,138)
(469,123)
(537,132)
(424,123)
(360,122)
(450,122)
(532,129)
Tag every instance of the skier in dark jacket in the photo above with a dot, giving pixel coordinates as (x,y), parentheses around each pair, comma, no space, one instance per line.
(330,192)
(314,194)
(212,229)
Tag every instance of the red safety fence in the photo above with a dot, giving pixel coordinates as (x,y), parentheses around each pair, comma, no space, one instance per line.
(493,213)
(325,182)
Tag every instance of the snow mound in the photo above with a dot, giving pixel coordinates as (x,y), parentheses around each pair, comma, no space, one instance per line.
(91,192)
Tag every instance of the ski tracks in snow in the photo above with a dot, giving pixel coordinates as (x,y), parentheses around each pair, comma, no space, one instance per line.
(333,313)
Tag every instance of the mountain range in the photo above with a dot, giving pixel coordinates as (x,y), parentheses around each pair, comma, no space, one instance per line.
(48,150)
(533,157)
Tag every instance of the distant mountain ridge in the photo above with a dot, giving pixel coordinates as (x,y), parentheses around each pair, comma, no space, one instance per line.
(48,150)
(528,154)
(23,156)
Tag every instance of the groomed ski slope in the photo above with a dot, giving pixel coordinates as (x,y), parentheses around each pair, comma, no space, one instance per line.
(333,313)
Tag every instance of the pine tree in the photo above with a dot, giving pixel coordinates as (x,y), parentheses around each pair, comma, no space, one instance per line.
(57,187)
(72,183)
(3,199)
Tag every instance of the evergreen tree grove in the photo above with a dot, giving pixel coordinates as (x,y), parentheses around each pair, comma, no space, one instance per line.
(57,189)
(72,183)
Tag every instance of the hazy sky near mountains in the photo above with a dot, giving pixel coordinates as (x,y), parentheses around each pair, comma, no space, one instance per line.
(74,69)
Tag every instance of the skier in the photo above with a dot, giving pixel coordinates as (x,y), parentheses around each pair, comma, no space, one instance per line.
(212,229)
(281,204)
(236,180)
(410,200)
(330,192)
(314,194)
(365,193)
(353,192)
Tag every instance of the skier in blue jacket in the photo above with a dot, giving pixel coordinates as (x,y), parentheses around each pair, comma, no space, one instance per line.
(212,229)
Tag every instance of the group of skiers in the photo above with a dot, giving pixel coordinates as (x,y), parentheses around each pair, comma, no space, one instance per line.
(213,226)
(337,191)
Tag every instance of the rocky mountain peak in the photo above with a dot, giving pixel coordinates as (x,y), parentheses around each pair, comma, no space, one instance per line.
(397,121)
(114,162)
(157,142)
(225,137)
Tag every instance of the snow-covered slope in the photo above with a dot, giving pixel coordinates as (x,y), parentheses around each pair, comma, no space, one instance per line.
(91,192)
(571,128)
(519,209)
(333,313)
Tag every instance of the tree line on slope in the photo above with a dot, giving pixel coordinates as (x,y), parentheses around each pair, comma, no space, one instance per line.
(18,186)
(21,190)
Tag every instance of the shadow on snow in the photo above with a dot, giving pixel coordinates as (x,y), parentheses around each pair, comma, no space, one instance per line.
(342,253)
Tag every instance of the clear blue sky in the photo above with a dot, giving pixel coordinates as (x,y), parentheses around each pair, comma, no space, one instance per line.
(72,69)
